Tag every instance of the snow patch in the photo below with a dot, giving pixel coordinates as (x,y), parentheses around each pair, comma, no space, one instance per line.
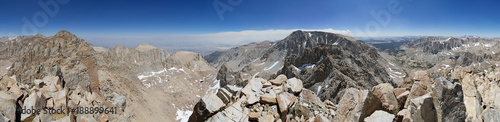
(215,87)
(310,34)
(178,70)
(237,87)
(269,68)
(446,66)
(308,65)
(319,89)
(7,68)
(336,43)
(151,74)
(255,74)
(391,64)
(296,68)
(12,38)
(183,116)
(395,72)
(392,76)
(262,63)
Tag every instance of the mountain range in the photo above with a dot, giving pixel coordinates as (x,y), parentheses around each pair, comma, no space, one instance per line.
(306,76)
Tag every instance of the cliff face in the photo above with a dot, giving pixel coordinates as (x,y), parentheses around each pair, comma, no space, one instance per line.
(63,55)
(330,69)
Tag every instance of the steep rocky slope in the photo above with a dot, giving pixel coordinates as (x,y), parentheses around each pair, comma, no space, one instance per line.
(145,83)
(265,58)
(262,59)
(330,69)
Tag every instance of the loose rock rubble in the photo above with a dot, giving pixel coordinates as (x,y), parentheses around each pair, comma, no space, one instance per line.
(283,100)
(54,101)
(425,100)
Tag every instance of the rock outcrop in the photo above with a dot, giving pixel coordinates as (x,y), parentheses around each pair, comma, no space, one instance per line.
(380,116)
(229,77)
(422,109)
(385,92)
(356,105)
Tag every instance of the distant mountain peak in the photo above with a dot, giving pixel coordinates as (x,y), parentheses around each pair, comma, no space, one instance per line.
(145,47)
(65,33)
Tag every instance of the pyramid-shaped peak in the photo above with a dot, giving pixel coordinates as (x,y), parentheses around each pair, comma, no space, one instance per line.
(297,32)
(145,47)
(64,33)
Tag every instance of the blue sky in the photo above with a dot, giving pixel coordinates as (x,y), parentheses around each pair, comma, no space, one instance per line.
(180,20)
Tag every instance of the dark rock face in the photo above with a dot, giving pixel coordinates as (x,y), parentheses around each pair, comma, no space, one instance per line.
(452,104)
(336,68)
(228,77)
(297,43)
(468,58)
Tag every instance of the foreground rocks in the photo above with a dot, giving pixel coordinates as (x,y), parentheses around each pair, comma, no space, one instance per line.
(228,77)
(266,103)
(356,105)
(285,100)
(386,94)
(480,93)
(49,94)
(380,116)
